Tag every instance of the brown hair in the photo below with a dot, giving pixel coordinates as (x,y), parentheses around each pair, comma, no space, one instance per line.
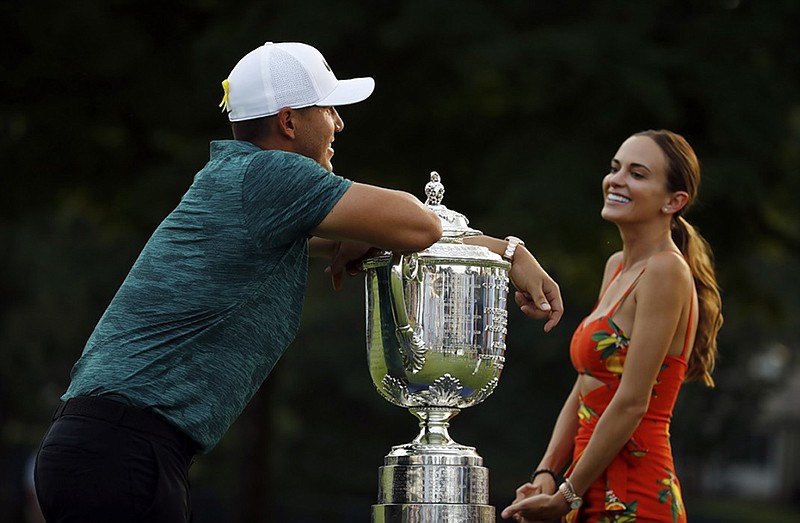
(251,130)
(683,174)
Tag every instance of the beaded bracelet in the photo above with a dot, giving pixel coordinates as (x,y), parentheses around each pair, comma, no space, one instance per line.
(544,471)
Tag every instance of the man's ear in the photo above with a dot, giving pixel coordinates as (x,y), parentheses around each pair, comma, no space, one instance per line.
(286,122)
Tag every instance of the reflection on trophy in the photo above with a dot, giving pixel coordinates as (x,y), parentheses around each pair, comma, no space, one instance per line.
(436,326)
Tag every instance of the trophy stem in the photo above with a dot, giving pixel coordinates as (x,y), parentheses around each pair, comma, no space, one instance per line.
(433,479)
(433,425)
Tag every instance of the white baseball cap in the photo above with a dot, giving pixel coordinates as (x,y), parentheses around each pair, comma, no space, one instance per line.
(286,74)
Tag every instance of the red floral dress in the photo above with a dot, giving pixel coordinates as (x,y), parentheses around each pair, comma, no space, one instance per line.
(640,484)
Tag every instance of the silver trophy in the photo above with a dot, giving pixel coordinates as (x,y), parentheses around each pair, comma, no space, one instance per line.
(436,328)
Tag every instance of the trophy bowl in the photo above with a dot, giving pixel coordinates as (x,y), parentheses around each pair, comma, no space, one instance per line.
(436,327)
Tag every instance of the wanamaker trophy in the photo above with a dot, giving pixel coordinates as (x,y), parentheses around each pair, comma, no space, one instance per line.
(436,328)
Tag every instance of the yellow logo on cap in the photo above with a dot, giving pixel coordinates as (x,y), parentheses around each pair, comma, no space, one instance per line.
(226,86)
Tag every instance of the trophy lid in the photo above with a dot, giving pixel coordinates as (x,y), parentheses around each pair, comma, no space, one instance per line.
(451,247)
(455,227)
(454,224)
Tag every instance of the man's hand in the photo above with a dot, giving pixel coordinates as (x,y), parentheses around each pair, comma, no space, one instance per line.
(347,257)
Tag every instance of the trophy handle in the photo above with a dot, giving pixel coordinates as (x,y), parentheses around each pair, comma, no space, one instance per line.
(390,282)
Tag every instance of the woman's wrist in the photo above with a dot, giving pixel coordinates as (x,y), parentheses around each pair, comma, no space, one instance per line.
(546,471)
(524,267)
(512,243)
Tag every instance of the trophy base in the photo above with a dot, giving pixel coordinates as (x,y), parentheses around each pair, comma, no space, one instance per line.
(432,513)
(425,483)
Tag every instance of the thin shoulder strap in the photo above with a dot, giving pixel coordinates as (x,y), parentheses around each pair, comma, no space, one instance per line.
(627,292)
(610,281)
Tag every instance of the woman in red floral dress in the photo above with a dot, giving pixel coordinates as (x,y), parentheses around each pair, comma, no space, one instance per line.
(653,327)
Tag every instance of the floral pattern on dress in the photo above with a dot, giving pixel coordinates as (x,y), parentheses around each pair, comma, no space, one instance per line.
(634,449)
(613,503)
(671,493)
(609,345)
(616,511)
(586,413)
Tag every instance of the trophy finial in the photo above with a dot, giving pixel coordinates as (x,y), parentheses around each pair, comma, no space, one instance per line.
(434,190)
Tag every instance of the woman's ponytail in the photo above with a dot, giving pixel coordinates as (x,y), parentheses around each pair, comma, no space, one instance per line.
(699,257)
(683,174)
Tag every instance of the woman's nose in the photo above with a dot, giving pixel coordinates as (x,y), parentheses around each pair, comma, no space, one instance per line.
(616,177)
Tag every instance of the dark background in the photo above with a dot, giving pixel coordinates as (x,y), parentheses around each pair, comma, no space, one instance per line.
(106,112)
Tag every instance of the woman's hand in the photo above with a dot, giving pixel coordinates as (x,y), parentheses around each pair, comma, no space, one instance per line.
(535,507)
(538,295)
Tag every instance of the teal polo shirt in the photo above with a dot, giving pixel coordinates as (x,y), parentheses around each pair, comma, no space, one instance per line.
(215,296)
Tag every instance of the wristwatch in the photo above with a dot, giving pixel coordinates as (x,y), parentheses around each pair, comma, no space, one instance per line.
(569,494)
(513,242)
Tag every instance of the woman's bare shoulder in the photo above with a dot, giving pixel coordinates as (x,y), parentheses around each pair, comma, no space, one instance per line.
(667,273)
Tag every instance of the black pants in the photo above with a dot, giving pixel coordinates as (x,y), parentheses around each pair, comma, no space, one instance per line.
(102,461)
